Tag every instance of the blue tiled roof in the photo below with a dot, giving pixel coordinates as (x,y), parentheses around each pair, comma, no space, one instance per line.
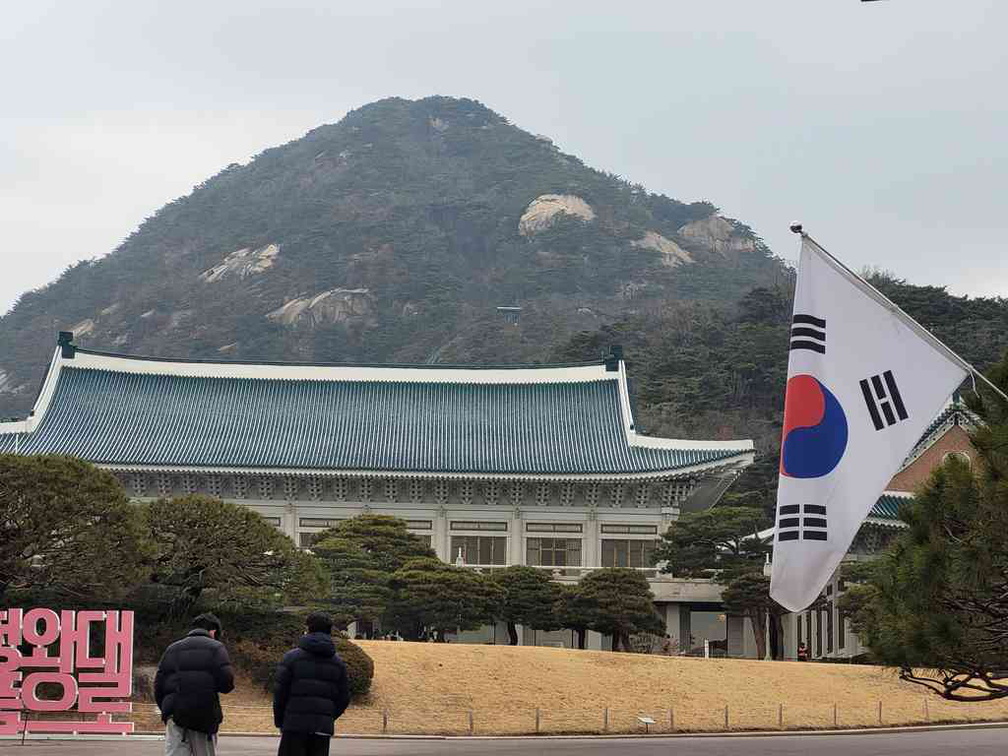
(121,418)
(887,507)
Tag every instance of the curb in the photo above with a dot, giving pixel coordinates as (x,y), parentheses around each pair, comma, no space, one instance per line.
(903,729)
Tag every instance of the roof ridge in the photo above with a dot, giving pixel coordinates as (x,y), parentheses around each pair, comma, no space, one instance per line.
(284,363)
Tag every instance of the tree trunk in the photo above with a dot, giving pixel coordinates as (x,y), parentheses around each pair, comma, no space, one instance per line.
(758,620)
(776,637)
(581,637)
(512,633)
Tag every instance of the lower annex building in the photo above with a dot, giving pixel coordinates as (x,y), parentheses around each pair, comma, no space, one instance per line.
(494,466)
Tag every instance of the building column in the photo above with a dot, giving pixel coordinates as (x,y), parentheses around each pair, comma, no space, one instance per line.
(591,555)
(441,542)
(290,521)
(516,538)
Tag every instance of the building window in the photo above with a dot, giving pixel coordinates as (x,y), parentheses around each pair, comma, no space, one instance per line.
(319,522)
(478,525)
(959,455)
(798,633)
(274,521)
(627,553)
(631,529)
(553,552)
(419,524)
(480,549)
(306,539)
(425,537)
(554,527)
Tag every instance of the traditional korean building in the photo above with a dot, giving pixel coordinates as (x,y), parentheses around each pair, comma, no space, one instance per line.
(505,465)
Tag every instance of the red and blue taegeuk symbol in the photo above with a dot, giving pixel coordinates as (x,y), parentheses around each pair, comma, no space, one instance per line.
(815,429)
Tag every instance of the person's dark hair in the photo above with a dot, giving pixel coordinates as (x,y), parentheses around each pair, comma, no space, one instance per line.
(208,621)
(319,622)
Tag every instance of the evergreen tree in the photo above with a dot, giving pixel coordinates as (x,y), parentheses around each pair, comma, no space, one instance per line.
(434,596)
(722,543)
(360,555)
(358,590)
(530,599)
(936,603)
(202,544)
(618,602)
(67,531)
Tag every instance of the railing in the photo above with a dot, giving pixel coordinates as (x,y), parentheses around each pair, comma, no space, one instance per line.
(670,716)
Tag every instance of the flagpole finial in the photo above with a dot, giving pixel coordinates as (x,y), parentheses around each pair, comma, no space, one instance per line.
(796,228)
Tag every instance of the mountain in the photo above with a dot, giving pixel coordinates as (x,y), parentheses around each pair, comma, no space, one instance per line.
(392,235)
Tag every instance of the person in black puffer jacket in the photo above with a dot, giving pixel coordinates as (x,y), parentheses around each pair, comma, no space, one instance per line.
(191,675)
(311,691)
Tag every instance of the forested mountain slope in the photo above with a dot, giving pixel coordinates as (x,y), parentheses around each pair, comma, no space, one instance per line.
(392,235)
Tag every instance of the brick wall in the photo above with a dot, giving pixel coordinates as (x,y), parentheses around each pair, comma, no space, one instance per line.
(955,439)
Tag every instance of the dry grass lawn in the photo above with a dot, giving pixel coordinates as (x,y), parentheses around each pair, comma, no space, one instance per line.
(431,688)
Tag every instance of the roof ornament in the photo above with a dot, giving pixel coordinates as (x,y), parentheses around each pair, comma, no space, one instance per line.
(613,358)
(67,347)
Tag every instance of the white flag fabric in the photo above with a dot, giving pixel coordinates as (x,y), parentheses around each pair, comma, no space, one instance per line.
(863,385)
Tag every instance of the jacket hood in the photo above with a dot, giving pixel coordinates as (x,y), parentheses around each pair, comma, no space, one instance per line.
(318,644)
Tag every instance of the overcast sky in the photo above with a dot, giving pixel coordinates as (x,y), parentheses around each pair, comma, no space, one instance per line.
(883,126)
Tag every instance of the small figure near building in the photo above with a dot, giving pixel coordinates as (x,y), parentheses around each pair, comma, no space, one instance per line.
(802,652)
(666,645)
(191,676)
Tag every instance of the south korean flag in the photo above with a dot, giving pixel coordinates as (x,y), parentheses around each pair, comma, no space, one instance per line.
(864,381)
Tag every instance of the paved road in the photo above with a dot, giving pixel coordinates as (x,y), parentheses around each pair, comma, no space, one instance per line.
(935,743)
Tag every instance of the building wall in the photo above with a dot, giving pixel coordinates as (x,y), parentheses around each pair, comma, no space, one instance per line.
(954,440)
(628,513)
(825,631)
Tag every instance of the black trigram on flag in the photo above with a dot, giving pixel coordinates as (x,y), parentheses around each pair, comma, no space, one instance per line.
(882,397)
(808,332)
(807,522)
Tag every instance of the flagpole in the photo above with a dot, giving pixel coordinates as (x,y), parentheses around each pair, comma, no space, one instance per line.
(883,300)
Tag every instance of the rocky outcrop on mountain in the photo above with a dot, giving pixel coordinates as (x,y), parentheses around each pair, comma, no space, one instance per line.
(543,211)
(327,307)
(243,263)
(671,253)
(82,329)
(717,234)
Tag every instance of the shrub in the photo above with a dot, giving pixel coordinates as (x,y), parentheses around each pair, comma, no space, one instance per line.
(256,641)
(360,666)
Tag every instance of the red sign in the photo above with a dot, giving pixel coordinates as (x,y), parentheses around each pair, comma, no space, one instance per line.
(45,647)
